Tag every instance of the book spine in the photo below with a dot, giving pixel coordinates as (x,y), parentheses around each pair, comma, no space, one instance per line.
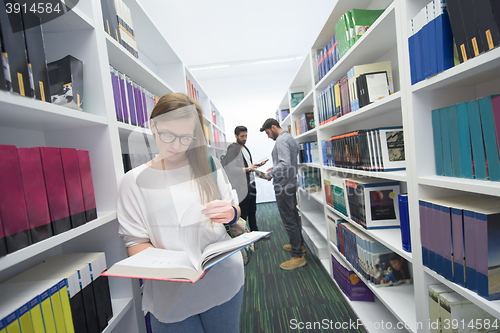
(470,249)
(446,243)
(464,138)
(446,144)
(456,158)
(476,137)
(444,38)
(490,138)
(424,232)
(458,247)
(87,185)
(73,183)
(438,150)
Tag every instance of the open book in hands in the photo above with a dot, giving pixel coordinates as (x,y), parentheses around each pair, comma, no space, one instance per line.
(260,174)
(188,265)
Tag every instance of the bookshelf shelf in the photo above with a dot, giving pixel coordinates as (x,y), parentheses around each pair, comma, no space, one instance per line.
(317,220)
(304,106)
(400,300)
(474,71)
(461,184)
(49,243)
(380,38)
(126,63)
(310,165)
(390,237)
(120,308)
(492,307)
(390,175)
(73,20)
(318,195)
(377,108)
(306,135)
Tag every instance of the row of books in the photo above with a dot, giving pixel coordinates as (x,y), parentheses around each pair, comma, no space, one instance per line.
(459,237)
(131,161)
(118,24)
(467,139)
(451,312)
(133,103)
(475,25)
(44,191)
(308,152)
(217,118)
(192,92)
(430,41)
(362,85)
(310,180)
(349,28)
(65,293)
(296,98)
(349,282)
(304,123)
(379,149)
(25,69)
(219,138)
(206,132)
(370,202)
(373,260)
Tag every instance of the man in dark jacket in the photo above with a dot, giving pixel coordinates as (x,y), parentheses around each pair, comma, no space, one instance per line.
(239,169)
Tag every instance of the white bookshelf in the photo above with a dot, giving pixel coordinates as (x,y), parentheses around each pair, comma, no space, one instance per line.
(410,107)
(26,122)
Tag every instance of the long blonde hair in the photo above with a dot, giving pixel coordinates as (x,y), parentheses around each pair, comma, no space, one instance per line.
(197,152)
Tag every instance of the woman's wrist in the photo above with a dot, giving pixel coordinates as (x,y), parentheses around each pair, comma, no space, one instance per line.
(234,218)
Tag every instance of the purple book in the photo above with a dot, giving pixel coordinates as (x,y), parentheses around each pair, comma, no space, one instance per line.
(13,210)
(495,104)
(35,193)
(458,246)
(138,104)
(3,247)
(444,238)
(432,233)
(116,94)
(131,101)
(71,170)
(144,107)
(423,232)
(123,96)
(470,249)
(56,189)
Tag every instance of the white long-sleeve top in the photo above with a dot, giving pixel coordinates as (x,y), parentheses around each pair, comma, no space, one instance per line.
(151,204)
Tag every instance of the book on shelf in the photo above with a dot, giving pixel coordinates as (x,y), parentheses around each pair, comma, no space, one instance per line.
(110,19)
(125,27)
(186,266)
(458,28)
(115,85)
(362,19)
(35,50)
(66,82)
(296,98)
(435,291)
(13,210)
(331,222)
(87,185)
(30,163)
(14,59)
(310,180)
(349,282)
(404,221)
(74,191)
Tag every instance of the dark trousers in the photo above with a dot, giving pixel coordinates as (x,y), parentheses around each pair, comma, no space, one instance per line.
(287,206)
(249,206)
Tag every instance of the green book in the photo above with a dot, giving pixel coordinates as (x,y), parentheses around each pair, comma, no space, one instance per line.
(362,19)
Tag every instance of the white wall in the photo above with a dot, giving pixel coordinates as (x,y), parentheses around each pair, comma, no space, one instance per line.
(249,100)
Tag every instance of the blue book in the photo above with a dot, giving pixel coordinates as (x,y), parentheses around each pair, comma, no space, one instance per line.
(418,56)
(423,232)
(470,249)
(456,161)
(445,138)
(426,45)
(431,30)
(438,148)
(433,233)
(458,246)
(464,137)
(476,138)
(444,41)
(411,50)
(445,267)
(490,138)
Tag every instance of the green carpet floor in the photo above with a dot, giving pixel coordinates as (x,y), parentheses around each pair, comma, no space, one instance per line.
(278,301)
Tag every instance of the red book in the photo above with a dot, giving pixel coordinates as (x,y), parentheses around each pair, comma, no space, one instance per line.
(71,167)
(3,248)
(87,185)
(12,204)
(56,189)
(35,193)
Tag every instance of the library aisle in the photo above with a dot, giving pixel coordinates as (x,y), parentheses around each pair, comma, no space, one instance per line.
(287,301)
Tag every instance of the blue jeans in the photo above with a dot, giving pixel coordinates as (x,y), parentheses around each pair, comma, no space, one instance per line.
(222,318)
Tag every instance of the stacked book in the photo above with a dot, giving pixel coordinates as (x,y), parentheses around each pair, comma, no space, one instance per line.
(44,191)
(467,139)
(304,123)
(118,24)
(133,103)
(379,149)
(361,86)
(349,282)
(459,237)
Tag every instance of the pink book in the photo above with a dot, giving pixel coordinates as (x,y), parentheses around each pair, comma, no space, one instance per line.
(12,204)
(35,194)
(87,185)
(495,105)
(74,192)
(56,189)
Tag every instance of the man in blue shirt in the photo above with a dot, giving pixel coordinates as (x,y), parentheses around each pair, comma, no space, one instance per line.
(284,176)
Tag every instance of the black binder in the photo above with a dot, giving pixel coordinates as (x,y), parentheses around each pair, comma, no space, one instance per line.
(458,29)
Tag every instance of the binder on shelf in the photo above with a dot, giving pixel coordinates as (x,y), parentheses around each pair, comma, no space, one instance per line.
(474,40)
(458,246)
(131,101)
(12,203)
(14,51)
(438,150)
(458,29)
(116,93)
(470,249)
(123,97)
(426,32)
(490,137)
(444,37)
(87,185)
(36,315)
(72,179)
(456,308)
(445,136)
(66,82)
(476,138)
(110,19)
(35,194)
(56,189)
(435,291)
(456,161)
(411,50)
(424,235)
(3,247)
(495,106)
(36,56)
(464,139)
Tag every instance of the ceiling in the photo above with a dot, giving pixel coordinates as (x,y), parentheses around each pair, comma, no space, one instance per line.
(222,31)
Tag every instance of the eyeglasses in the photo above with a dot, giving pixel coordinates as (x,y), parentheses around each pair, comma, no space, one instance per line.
(169,138)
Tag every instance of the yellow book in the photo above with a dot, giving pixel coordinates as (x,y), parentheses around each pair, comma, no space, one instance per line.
(2,326)
(36,315)
(66,307)
(25,319)
(337,98)
(12,323)
(55,300)
(48,315)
